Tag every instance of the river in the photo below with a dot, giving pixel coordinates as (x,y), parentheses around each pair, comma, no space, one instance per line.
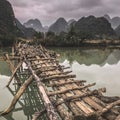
(94,65)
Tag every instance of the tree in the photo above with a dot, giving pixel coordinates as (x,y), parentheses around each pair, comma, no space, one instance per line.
(39,35)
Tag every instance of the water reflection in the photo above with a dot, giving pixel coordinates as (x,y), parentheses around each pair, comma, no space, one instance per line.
(113,58)
(4,68)
(88,56)
(94,65)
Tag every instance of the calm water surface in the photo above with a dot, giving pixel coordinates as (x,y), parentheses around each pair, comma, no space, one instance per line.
(94,65)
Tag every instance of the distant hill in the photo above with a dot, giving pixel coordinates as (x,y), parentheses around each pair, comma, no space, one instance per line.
(35,24)
(71,21)
(107,17)
(59,26)
(45,29)
(94,27)
(117,30)
(115,21)
(27,32)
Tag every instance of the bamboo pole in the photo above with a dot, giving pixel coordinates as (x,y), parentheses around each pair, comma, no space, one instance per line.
(53,74)
(38,114)
(107,99)
(118,117)
(13,51)
(65,115)
(75,97)
(57,77)
(108,107)
(10,63)
(74,108)
(69,89)
(12,68)
(66,82)
(14,72)
(49,107)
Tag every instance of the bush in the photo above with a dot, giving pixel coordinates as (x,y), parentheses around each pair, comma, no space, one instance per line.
(7,40)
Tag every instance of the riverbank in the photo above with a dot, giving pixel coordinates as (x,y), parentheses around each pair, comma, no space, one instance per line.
(79,43)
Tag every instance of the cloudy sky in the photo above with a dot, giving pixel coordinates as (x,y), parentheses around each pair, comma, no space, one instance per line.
(49,10)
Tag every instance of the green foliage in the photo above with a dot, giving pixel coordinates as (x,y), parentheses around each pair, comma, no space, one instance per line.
(39,35)
(8,27)
(7,40)
(85,35)
(7,19)
(94,28)
(50,34)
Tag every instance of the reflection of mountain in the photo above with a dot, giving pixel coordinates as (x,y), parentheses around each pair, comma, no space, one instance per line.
(4,69)
(27,32)
(115,21)
(113,58)
(89,56)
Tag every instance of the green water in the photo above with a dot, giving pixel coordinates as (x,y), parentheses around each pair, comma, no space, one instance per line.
(94,65)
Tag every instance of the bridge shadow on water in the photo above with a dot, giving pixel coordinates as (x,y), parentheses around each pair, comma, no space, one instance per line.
(29,104)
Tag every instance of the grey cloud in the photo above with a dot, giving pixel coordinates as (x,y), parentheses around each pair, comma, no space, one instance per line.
(49,10)
(16,3)
(90,3)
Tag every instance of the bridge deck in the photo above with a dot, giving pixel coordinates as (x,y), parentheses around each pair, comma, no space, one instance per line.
(61,93)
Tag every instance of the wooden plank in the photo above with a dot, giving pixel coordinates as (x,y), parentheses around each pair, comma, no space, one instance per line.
(66,82)
(73,103)
(76,97)
(82,106)
(69,89)
(12,68)
(61,108)
(57,77)
(49,107)
(89,101)
(14,72)
(118,117)
(108,107)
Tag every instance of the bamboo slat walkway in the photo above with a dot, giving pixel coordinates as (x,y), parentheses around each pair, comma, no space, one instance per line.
(63,96)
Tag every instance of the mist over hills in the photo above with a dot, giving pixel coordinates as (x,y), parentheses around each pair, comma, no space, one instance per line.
(115,21)
(71,21)
(27,32)
(36,25)
(59,26)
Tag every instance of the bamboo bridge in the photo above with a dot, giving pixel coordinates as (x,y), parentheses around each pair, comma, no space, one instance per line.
(59,93)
